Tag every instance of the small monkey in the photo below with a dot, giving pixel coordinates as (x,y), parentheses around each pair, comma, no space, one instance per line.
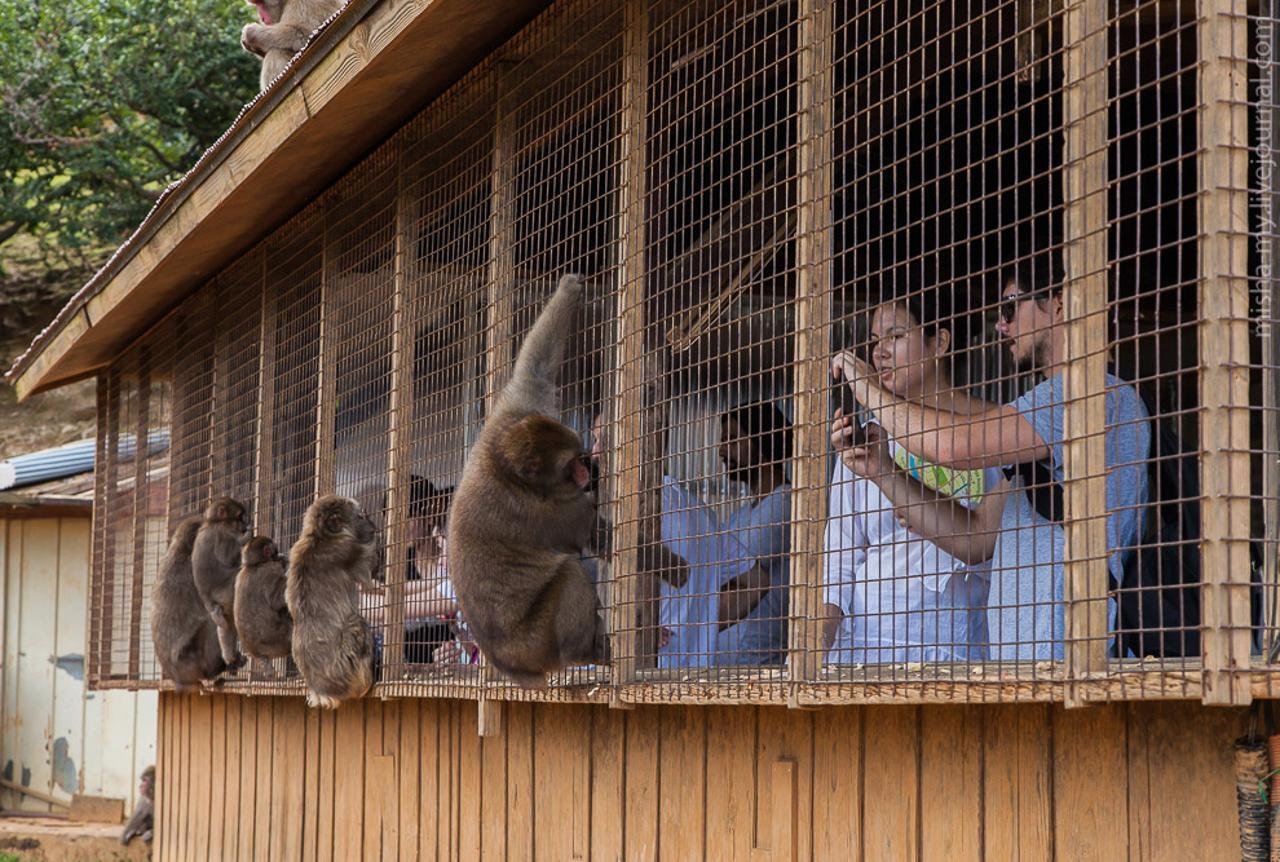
(522,515)
(262,615)
(143,819)
(332,645)
(286,26)
(185,637)
(215,559)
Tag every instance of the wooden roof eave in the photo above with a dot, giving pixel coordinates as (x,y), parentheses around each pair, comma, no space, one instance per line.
(377,63)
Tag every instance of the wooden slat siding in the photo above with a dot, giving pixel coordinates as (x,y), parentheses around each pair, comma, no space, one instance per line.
(950,775)
(408,777)
(249,768)
(682,802)
(1224,347)
(520,780)
(326,365)
(608,783)
(1085,581)
(471,782)
(891,783)
(731,782)
(98,577)
(429,780)
(370,797)
(202,772)
(643,790)
(1181,801)
(232,803)
(812,368)
(1090,772)
(327,808)
(837,783)
(348,784)
(265,785)
(1017,781)
(264,464)
(784,737)
(141,490)
(387,776)
(290,735)
(399,432)
(218,807)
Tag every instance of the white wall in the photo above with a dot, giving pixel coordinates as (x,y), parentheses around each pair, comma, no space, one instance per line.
(55,736)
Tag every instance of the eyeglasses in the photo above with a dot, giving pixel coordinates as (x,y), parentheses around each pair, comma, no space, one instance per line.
(1009,304)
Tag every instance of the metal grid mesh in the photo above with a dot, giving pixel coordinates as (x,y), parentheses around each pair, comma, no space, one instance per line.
(968,205)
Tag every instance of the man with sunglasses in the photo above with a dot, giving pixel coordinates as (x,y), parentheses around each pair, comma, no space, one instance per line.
(1025,612)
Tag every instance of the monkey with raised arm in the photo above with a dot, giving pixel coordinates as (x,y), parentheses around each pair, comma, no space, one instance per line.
(522,515)
(185,637)
(143,820)
(262,615)
(215,560)
(332,645)
(286,26)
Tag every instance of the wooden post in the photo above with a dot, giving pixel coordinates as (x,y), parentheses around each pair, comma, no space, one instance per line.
(141,501)
(499,333)
(638,392)
(264,463)
(1085,581)
(1224,348)
(812,371)
(111,466)
(99,572)
(327,365)
(399,434)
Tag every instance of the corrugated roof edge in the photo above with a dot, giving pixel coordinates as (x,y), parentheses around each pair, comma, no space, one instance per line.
(322,39)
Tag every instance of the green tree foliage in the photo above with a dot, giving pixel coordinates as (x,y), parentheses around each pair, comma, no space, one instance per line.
(102,104)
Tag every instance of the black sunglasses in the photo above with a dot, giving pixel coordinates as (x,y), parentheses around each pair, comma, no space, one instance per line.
(1009,304)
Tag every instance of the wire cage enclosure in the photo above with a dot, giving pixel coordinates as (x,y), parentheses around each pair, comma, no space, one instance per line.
(1035,240)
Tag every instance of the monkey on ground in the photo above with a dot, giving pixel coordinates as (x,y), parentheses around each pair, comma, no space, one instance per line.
(185,637)
(215,560)
(261,613)
(332,645)
(522,516)
(286,26)
(143,819)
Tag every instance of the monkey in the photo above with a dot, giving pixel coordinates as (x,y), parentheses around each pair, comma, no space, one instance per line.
(215,559)
(522,515)
(286,26)
(185,637)
(143,819)
(262,616)
(332,644)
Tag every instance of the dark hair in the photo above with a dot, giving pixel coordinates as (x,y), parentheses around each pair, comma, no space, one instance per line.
(934,307)
(1037,272)
(766,428)
(428,501)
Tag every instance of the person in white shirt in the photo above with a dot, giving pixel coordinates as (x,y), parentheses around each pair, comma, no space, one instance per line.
(906,572)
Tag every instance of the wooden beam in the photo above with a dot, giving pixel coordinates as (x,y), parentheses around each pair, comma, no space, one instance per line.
(398,438)
(1085,576)
(1223,207)
(811,379)
(327,362)
(264,463)
(98,562)
(635,395)
(105,606)
(141,503)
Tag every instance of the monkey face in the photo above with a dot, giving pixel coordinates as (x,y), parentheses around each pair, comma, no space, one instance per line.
(269,11)
(260,549)
(230,512)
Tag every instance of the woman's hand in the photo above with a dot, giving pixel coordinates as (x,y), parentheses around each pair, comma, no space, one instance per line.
(872,459)
(862,379)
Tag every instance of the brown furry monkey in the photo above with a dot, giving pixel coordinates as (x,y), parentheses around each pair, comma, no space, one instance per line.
(522,515)
(143,819)
(286,26)
(185,637)
(215,560)
(262,616)
(332,645)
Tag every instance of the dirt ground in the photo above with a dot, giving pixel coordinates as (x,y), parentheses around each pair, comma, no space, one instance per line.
(52,839)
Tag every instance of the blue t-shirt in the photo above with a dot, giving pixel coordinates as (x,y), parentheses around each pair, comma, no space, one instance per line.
(1024,607)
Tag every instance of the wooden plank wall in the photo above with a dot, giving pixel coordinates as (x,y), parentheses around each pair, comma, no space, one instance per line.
(265,778)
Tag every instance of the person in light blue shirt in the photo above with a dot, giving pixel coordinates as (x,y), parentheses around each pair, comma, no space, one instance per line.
(1025,611)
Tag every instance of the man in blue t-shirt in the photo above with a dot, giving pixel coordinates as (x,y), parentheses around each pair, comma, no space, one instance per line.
(1025,612)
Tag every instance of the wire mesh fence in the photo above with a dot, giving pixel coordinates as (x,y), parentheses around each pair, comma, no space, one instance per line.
(926,354)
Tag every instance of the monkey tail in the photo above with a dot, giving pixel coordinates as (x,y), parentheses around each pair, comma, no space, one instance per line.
(533,383)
